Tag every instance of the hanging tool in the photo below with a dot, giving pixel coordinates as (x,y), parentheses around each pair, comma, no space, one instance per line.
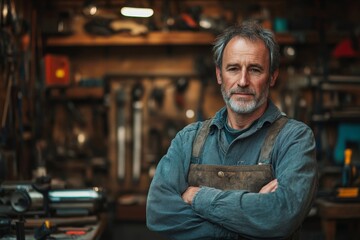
(121,134)
(137,93)
(204,70)
(8,16)
(6,107)
(182,85)
(154,150)
(8,120)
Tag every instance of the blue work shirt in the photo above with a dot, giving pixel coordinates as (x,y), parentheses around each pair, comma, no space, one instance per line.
(218,214)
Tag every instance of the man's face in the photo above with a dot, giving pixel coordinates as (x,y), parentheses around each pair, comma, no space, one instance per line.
(245,76)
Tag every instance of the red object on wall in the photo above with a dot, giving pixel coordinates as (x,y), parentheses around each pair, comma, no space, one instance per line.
(346,49)
(57,70)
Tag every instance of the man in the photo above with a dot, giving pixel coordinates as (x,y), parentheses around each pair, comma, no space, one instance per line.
(186,202)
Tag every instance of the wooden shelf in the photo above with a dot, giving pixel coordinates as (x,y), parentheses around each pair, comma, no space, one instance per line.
(174,38)
(152,38)
(77,93)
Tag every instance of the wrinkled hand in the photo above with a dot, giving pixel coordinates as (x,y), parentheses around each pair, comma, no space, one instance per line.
(189,194)
(270,187)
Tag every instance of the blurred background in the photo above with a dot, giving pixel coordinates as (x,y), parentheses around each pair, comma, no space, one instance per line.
(93,91)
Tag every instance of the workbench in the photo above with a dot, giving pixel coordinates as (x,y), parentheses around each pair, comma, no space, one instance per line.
(78,228)
(332,212)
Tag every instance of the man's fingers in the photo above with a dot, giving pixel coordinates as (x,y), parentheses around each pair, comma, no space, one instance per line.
(270,187)
(189,194)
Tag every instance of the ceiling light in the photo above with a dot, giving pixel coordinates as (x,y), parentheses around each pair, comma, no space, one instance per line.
(90,8)
(136,12)
(93,10)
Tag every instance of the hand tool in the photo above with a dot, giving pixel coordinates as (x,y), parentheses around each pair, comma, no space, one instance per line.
(121,134)
(137,93)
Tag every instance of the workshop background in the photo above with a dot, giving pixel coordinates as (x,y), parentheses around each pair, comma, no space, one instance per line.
(90,98)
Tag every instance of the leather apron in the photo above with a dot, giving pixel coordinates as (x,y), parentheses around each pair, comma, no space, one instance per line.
(244,177)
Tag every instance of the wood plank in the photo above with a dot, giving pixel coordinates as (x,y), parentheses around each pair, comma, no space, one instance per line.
(77,93)
(172,38)
(152,38)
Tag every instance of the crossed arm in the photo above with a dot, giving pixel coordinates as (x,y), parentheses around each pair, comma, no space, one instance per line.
(191,191)
(180,211)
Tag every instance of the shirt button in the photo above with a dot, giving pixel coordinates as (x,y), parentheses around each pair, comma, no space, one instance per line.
(221,174)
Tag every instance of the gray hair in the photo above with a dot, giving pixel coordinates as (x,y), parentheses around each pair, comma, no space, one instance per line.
(251,31)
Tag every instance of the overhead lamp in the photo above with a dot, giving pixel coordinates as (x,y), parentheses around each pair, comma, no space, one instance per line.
(90,8)
(137,12)
(137,8)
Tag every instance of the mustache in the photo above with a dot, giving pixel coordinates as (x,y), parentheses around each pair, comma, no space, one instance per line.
(240,90)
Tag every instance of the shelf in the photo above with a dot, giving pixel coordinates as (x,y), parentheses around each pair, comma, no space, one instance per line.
(152,38)
(76,93)
(332,82)
(337,116)
(174,38)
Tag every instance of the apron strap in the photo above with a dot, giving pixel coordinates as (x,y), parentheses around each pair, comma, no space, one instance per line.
(201,137)
(270,138)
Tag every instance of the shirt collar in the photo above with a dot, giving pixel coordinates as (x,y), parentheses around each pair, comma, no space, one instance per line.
(271,113)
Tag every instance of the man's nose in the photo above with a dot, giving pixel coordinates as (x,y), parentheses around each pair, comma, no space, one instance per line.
(243,79)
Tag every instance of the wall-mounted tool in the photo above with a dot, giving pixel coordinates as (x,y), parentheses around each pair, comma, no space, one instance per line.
(8,16)
(204,69)
(121,133)
(154,150)
(137,94)
(182,85)
(156,100)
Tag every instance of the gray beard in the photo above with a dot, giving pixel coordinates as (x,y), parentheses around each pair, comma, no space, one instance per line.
(241,106)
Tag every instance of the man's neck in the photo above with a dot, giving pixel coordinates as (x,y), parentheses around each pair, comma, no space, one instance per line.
(243,121)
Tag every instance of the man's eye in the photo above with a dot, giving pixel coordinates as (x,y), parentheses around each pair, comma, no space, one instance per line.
(254,70)
(232,69)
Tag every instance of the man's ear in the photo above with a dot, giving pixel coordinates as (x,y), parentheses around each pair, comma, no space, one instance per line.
(218,75)
(274,77)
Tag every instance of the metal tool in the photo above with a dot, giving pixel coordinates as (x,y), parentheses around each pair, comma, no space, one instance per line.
(121,134)
(137,93)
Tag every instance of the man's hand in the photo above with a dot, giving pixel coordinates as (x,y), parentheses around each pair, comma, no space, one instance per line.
(189,194)
(270,187)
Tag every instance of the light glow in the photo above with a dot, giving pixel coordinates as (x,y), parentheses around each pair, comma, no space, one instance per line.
(190,113)
(73,194)
(81,138)
(93,10)
(136,12)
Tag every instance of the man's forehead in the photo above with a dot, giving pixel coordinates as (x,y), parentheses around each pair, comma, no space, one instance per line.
(245,48)
(239,39)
